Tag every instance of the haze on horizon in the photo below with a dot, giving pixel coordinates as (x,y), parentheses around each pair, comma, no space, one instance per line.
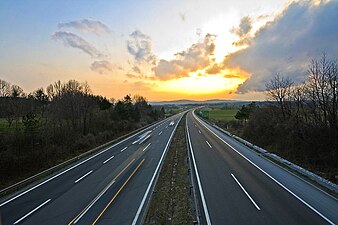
(165,50)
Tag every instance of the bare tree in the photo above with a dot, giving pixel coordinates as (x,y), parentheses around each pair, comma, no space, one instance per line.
(323,90)
(279,89)
(5,88)
(17,91)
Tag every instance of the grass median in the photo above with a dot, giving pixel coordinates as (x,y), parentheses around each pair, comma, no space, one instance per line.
(171,202)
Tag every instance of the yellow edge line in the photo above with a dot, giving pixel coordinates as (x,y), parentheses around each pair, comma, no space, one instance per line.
(118,192)
(101,191)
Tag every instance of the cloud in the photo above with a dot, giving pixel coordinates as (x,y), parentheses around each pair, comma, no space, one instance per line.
(132,76)
(182,16)
(303,31)
(101,66)
(231,76)
(194,58)
(137,69)
(140,47)
(243,31)
(214,69)
(87,26)
(72,40)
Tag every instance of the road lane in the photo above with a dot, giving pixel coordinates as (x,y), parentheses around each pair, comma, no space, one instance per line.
(68,198)
(226,201)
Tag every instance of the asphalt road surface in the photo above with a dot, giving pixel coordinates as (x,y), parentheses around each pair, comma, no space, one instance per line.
(238,186)
(109,187)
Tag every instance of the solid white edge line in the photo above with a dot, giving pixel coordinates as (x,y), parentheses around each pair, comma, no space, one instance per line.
(153,177)
(247,194)
(108,159)
(83,176)
(268,175)
(31,212)
(84,212)
(65,171)
(204,203)
(208,144)
(146,146)
(124,149)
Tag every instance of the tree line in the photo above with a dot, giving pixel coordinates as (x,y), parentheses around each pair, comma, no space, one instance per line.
(48,126)
(299,121)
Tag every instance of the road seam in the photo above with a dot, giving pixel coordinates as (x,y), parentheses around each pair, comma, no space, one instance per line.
(268,175)
(83,176)
(31,212)
(247,194)
(206,212)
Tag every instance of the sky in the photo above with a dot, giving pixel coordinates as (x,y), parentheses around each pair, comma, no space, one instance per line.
(164,50)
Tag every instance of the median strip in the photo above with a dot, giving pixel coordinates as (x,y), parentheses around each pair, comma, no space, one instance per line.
(171,202)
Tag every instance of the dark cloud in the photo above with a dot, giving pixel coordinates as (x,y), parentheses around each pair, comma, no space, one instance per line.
(214,69)
(303,31)
(129,75)
(140,47)
(194,58)
(137,69)
(87,26)
(243,31)
(74,41)
(101,66)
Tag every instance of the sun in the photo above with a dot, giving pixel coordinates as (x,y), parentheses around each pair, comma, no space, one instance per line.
(198,83)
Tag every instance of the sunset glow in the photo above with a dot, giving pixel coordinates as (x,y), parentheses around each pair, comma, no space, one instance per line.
(174,49)
(198,83)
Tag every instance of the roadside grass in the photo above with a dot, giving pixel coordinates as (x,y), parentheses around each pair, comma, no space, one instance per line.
(223,114)
(171,202)
(17,124)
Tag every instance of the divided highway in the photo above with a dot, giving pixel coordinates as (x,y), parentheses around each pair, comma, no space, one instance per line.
(109,187)
(237,186)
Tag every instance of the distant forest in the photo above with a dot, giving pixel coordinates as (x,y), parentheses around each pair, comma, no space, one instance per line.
(45,127)
(300,121)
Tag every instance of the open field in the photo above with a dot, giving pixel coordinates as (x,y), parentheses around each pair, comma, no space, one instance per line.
(223,114)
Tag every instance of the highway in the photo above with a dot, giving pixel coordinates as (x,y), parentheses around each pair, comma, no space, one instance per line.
(110,187)
(238,186)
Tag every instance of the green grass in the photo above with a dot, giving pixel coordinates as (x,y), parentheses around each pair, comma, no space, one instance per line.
(223,114)
(4,125)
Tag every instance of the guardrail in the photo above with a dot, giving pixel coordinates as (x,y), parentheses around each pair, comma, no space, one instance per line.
(291,166)
(45,173)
